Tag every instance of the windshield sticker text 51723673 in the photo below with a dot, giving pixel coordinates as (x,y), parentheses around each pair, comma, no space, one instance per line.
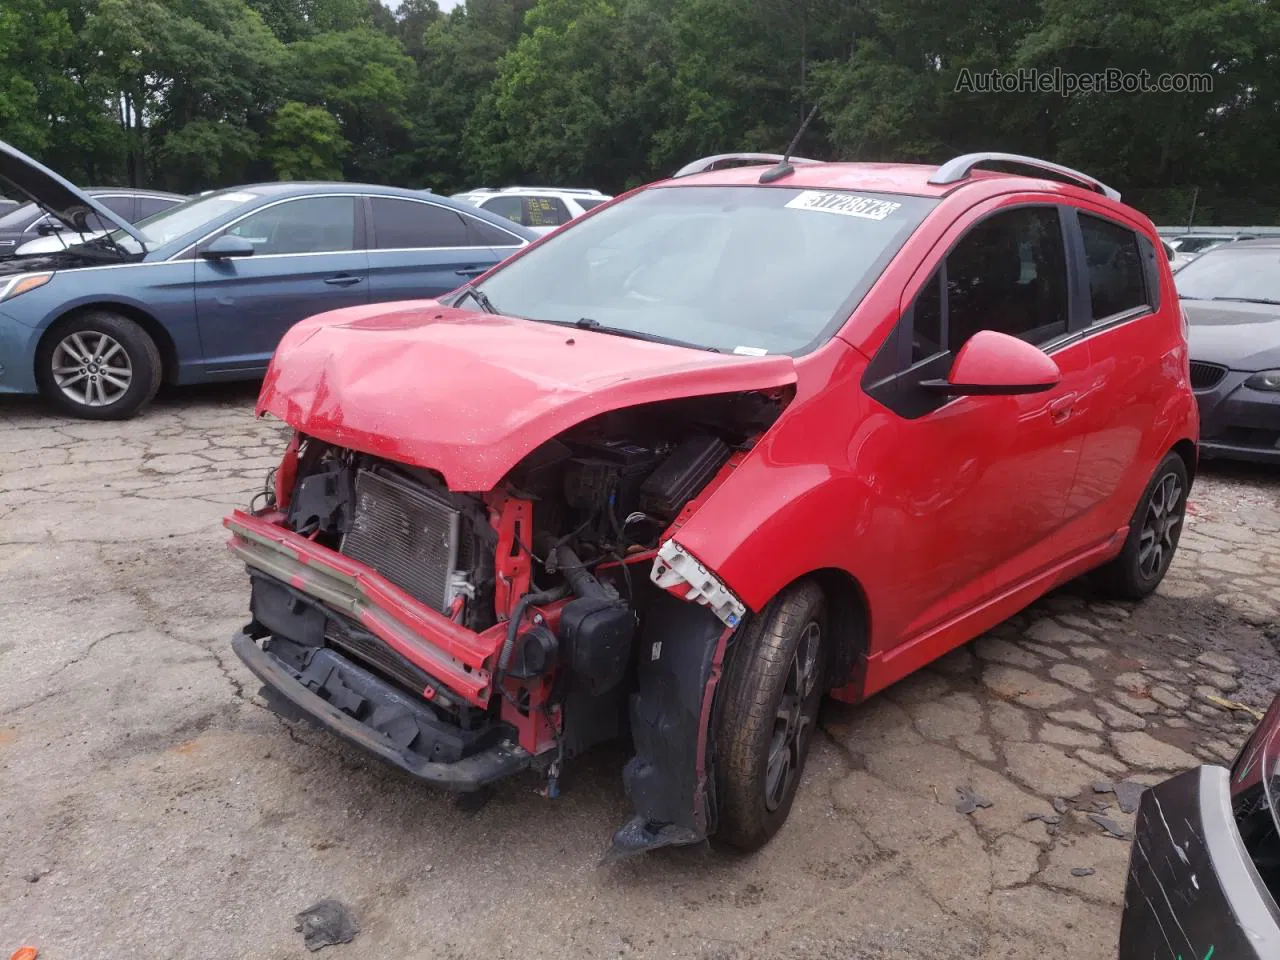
(845,204)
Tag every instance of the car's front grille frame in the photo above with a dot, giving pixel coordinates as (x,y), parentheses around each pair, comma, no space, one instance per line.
(1206,376)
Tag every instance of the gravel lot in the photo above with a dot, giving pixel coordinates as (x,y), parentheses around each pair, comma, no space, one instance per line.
(156,809)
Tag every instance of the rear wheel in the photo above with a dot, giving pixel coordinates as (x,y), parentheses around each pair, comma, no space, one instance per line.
(99,366)
(769,712)
(1153,534)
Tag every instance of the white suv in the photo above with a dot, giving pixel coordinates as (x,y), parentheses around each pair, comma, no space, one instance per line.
(541,209)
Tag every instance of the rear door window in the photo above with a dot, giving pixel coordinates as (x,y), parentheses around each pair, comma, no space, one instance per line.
(124,207)
(484,234)
(1117,278)
(1008,274)
(588,204)
(410,225)
(509,207)
(150,206)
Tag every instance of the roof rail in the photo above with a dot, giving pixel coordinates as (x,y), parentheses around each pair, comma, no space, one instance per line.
(571,191)
(953,171)
(734,159)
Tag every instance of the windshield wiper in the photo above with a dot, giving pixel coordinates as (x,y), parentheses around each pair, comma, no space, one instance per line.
(589,323)
(1272,303)
(480,297)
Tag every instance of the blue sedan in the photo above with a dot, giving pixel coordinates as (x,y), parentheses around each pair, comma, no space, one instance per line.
(205,290)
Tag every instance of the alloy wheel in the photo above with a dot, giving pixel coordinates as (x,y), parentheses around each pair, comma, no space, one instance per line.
(1161,526)
(92,368)
(795,718)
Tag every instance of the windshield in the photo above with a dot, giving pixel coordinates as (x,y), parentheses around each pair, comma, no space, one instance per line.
(1196,244)
(748,270)
(1233,273)
(178,221)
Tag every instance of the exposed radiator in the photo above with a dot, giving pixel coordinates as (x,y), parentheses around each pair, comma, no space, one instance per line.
(405,533)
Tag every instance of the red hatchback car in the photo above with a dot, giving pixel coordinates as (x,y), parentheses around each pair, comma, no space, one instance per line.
(725,444)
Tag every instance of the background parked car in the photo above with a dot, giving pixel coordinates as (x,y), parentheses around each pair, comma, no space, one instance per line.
(205,290)
(1232,300)
(27,229)
(541,209)
(1188,246)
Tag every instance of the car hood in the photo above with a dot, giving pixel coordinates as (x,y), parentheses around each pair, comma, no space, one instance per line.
(60,197)
(471,394)
(37,263)
(1240,336)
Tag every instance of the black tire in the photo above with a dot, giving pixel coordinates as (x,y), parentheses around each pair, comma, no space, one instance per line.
(133,360)
(766,662)
(1154,532)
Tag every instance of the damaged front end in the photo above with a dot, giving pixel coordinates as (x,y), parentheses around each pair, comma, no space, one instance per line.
(465,636)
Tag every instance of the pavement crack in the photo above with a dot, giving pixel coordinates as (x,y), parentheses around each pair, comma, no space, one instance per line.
(89,650)
(35,701)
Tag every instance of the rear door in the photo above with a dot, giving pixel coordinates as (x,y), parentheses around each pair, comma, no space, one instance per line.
(1135,369)
(420,249)
(308,257)
(983,481)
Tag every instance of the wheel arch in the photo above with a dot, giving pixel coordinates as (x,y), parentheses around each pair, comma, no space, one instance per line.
(1187,450)
(150,325)
(848,621)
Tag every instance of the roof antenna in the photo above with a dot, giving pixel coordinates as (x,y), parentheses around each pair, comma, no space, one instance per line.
(784,167)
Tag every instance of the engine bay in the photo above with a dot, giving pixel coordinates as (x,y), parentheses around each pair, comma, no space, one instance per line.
(549,571)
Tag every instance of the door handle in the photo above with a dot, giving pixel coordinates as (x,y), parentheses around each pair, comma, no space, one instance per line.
(342,280)
(1060,409)
(470,271)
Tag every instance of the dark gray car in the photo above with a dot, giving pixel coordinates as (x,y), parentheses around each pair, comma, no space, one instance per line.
(1232,299)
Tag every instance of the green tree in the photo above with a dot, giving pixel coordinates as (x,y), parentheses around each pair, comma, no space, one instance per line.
(174,63)
(580,97)
(362,77)
(305,143)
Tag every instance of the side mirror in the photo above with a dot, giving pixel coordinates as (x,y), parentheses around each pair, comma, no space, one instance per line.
(48,228)
(996,364)
(227,246)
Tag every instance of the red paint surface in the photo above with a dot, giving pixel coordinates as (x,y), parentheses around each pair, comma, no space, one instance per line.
(945,524)
(470,394)
(512,564)
(990,359)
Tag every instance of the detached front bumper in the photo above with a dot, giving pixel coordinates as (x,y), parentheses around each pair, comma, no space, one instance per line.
(373,715)
(1193,892)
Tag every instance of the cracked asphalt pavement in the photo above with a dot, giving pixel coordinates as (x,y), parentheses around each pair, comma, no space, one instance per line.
(156,809)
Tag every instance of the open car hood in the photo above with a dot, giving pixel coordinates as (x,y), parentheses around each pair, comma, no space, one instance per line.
(471,394)
(60,197)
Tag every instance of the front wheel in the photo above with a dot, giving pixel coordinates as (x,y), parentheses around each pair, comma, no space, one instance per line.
(1153,534)
(99,366)
(768,714)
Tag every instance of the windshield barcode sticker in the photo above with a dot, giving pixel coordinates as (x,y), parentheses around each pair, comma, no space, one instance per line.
(845,204)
